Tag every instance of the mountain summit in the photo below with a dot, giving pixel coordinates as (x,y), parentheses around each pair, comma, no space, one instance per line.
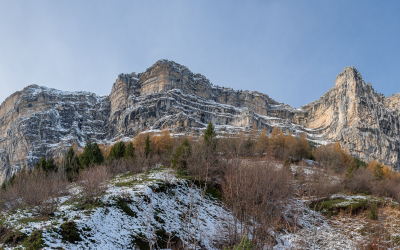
(40,121)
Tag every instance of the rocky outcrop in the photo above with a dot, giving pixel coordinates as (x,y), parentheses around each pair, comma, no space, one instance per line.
(39,121)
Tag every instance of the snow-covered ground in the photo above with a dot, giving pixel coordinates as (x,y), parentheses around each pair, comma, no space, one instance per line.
(181,209)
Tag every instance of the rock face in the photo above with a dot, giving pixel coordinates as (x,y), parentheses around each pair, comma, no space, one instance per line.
(39,121)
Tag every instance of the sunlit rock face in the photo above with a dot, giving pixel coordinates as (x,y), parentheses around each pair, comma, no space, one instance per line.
(39,121)
(363,121)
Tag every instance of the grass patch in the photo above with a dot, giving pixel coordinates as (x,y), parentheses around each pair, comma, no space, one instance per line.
(69,232)
(33,219)
(334,206)
(81,204)
(125,183)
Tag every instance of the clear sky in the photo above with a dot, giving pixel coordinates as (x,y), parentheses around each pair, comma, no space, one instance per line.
(290,50)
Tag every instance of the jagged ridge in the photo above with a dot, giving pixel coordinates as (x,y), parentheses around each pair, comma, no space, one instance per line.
(39,121)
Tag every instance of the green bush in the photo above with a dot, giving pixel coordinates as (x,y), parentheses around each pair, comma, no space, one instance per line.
(13,238)
(373,213)
(214,192)
(34,241)
(245,244)
(121,204)
(69,232)
(360,163)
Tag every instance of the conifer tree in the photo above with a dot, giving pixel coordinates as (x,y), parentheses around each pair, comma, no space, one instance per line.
(147,146)
(46,166)
(117,151)
(70,164)
(91,155)
(129,151)
(209,135)
(179,159)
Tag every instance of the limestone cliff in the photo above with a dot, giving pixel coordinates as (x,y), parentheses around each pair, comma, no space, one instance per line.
(39,121)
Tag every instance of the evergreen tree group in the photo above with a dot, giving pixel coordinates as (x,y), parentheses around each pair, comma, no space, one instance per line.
(46,165)
(119,150)
(91,155)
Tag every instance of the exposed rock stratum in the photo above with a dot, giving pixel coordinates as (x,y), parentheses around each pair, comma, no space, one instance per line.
(40,121)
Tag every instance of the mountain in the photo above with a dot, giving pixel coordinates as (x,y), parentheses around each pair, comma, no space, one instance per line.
(40,121)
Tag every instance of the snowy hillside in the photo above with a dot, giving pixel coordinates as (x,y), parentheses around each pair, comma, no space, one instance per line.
(166,211)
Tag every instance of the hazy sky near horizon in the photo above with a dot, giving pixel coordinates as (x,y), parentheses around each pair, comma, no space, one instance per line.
(290,50)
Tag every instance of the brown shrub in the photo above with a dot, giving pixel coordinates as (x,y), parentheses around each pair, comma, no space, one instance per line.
(263,143)
(319,183)
(255,192)
(299,148)
(333,157)
(36,188)
(231,146)
(392,186)
(279,146)
(93,182)
(204,162)
(360,181)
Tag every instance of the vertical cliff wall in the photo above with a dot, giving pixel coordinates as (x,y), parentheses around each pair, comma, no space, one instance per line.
(39,121)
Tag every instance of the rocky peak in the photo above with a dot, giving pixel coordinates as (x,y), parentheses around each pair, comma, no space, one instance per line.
(349,82)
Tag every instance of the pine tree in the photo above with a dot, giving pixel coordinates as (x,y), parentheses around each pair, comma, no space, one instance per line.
(41,163)
(147,146)
(98,157)
(50,165)
(8,183)
(70,164)
(378,172)
(209,135)
(373,213)
(46,166)
(179,159)
(129,151)
(91,155)
(117,151)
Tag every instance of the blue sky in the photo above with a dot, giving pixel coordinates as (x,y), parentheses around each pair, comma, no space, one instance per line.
(290,50)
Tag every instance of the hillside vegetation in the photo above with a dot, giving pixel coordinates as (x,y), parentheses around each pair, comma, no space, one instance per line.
(250,190)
